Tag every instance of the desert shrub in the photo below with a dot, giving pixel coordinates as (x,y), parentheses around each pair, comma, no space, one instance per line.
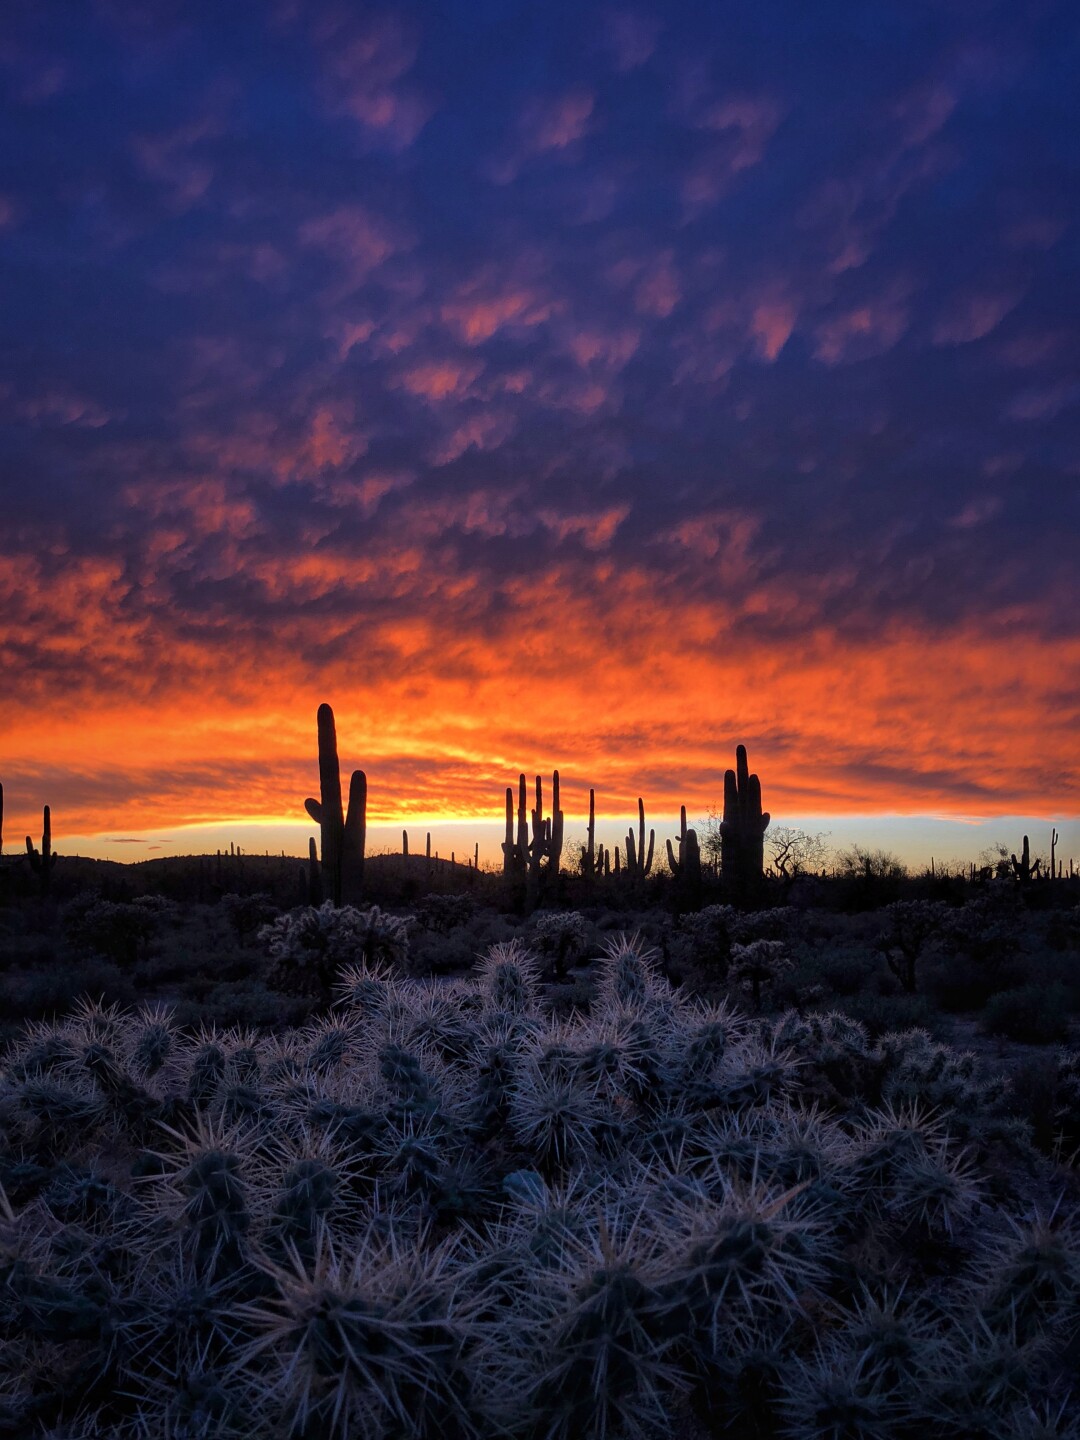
(704,938)
(247,914)
(840,967)
(443,913)
(118,931)
(868,879)
(1034,1013)
(892,1011)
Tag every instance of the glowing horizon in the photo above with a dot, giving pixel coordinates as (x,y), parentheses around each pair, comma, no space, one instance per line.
(594,392)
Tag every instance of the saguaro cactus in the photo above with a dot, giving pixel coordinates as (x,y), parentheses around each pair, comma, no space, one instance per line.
(516,848)
(547,840)
(588,850)
(1023,869)
(343,836)
(42,862)
(638,862)
(742,830)
(687,868)
(524,859)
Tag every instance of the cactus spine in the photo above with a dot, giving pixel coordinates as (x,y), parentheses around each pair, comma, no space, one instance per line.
(343,836)
(742,830)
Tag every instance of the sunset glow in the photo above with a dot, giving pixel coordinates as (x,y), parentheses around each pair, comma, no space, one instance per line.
(595,394)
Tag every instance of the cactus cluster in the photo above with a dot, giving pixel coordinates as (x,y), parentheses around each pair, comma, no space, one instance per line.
(441,1210)
(532,865)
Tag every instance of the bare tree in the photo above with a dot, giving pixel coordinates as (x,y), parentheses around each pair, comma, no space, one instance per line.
(796,851)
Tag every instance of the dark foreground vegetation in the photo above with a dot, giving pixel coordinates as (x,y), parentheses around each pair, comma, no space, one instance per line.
(435,1165)
(391,1147)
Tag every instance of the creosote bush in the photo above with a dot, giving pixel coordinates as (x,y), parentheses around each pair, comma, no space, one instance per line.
(441,1209)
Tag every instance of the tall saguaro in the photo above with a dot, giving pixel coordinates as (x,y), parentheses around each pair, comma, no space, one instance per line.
(742,831)
(343,835)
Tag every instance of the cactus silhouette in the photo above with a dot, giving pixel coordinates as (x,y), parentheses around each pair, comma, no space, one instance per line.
(742,830)
(687,868)
(638,860)
(343,836)
(524,859)
(42,861)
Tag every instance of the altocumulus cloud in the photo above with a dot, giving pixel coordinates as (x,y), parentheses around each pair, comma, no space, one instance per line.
(591,386)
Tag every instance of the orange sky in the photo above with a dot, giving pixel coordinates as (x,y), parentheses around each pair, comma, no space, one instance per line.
(597,391)
(622,687)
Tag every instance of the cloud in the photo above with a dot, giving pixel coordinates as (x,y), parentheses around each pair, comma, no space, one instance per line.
(631,38)
(740,384)
(366,59)
(864,330)
(547,125)
(972,316)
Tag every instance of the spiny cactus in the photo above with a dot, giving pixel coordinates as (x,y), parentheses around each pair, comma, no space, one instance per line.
(562,935)
(310,947)
(267,1260)
(509,975)
(742,831)
(365,1342)
(343,836)
(606,1361)
(628,975)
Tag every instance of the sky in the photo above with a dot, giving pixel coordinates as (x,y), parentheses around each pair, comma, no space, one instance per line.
(542,385)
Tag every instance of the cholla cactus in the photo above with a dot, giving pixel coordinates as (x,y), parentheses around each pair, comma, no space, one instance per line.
(606,1361)
(310,947)
(509,976)
(705,938)
(738,1258)
(838,1063)
(562,934)
(762,962)
(226,1233)
(1032,1277)
(843,1397)
(368,1341)
(628,977)
(555,1118)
